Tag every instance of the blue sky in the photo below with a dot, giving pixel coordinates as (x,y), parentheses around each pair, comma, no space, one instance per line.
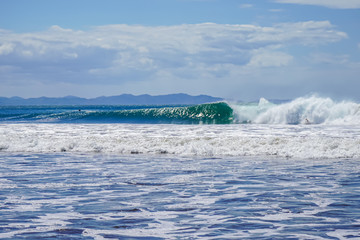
(235,49)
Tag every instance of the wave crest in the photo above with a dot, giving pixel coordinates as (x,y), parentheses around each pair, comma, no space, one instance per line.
(304,110)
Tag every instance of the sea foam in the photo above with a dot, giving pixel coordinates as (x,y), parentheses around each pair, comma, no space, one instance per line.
(291,141)
(304,110)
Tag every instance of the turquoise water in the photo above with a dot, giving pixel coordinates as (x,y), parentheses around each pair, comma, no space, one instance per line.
(218,113)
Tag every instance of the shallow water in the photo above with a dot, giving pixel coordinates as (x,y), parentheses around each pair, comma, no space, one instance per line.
(95,196)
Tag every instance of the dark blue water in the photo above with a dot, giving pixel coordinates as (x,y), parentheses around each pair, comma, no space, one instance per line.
(74,196)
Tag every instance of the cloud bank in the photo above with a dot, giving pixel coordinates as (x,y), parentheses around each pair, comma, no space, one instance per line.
(339,4)
(194,58)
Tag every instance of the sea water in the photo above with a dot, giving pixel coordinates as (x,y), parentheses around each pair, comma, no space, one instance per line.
(96,196)
(213,171)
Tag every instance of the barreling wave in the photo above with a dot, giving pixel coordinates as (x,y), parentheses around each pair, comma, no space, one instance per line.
(210,113)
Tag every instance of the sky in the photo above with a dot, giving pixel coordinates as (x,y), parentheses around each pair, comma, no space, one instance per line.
(235,49)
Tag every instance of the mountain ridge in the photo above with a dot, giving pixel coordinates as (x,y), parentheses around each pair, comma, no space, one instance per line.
(123,99)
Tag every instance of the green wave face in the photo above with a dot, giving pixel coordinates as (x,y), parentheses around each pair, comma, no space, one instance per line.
(216,113)
(211,113)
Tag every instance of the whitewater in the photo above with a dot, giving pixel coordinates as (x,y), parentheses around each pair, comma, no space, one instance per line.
(220,170)
(184,140)
(305,110)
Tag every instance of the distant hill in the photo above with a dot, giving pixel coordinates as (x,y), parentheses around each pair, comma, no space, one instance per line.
(124,99)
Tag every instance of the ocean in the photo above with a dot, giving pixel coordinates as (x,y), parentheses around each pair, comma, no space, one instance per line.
(210,171)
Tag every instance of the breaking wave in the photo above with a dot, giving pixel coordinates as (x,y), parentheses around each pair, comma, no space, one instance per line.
(305,110)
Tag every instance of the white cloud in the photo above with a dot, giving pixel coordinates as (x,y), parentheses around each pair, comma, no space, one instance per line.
(168,43)
(6,48)
(131,56)
(341,4)
(304,33)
